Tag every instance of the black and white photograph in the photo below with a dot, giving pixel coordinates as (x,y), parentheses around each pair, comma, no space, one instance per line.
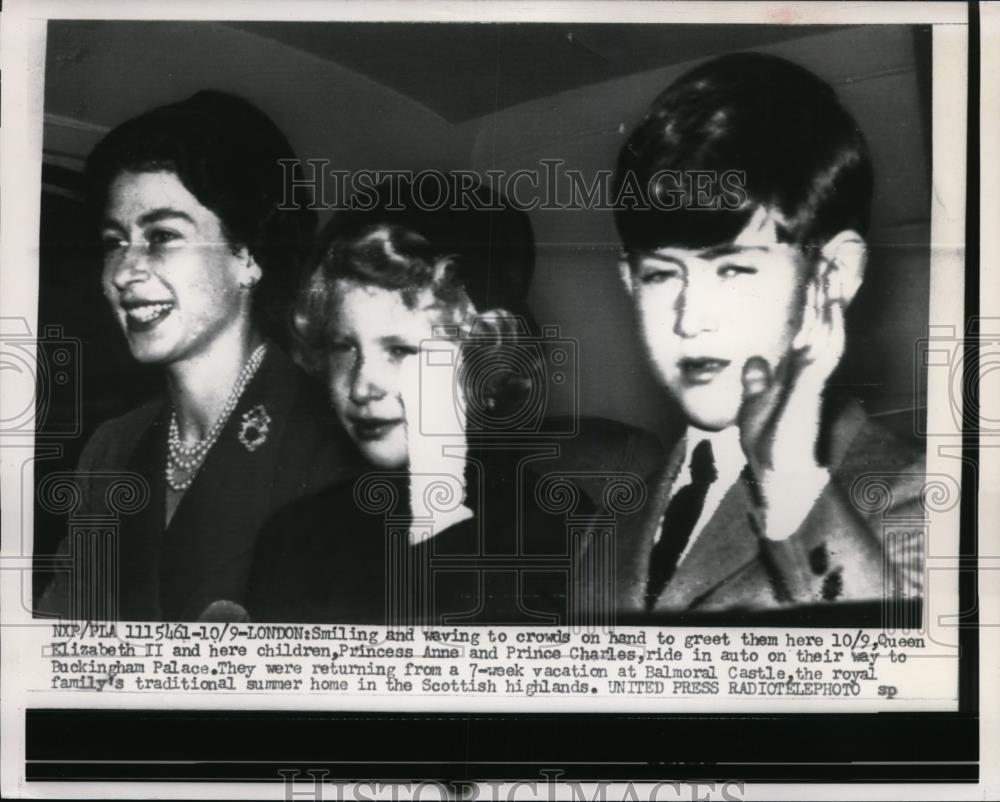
(665,340)
(605,359)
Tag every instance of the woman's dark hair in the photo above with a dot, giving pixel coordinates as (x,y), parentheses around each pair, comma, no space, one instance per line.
(742,131)
(476,260)
(237,163)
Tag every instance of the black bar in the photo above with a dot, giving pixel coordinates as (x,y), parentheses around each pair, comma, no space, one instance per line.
(968,591)
(493,772)
(253,746)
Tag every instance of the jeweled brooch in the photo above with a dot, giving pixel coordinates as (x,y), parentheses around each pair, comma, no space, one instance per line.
(254,426)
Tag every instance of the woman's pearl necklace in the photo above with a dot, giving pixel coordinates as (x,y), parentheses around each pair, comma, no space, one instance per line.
(188,459)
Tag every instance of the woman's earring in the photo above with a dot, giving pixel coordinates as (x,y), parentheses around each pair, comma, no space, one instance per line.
(251,280)
(253,274)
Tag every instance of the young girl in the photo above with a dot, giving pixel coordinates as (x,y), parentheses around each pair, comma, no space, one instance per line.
(417,325)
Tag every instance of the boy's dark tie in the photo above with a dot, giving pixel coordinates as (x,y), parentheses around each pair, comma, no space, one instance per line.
(681,515)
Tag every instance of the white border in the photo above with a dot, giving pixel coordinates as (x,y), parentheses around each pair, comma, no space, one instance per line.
(989,457)
(828,12)
(22,55)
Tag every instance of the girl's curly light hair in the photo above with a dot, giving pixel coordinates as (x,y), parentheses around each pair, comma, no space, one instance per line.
(498,371)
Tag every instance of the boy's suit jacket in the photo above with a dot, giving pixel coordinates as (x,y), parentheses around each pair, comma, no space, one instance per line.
(844,550)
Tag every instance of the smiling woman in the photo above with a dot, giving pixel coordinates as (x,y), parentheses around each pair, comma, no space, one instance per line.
(174,282)
(196,258)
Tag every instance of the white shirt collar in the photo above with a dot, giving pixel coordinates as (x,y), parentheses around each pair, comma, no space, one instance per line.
(727,454)
(729,459)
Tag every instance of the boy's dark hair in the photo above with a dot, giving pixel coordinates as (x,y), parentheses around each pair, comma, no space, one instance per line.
(768,133)
(227,153)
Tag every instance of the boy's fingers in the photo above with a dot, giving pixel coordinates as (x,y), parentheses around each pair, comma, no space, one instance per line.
(757,377)
(835,335)
(803,338)
(830,346)
(756,406)
(837,324)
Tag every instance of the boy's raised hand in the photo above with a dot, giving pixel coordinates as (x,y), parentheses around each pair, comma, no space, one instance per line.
(780,415)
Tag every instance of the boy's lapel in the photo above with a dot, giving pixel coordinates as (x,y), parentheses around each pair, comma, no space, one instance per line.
(727,544)
(634,535)
(723,547)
